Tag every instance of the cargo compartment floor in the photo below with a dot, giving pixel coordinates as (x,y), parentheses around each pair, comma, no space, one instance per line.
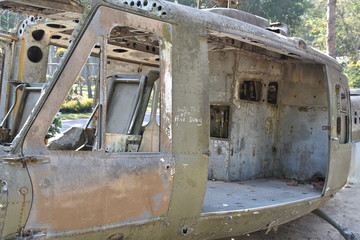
(229,196)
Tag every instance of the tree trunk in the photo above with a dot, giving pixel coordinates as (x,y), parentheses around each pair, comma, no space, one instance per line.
(199,4)
(331,25)
(88,84)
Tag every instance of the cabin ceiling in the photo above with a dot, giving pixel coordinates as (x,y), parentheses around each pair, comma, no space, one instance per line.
(125,43)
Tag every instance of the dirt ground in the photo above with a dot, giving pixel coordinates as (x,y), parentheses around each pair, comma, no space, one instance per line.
(344,207)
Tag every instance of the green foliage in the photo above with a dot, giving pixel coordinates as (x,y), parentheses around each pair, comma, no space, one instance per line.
(80,80)
(288,12)
(66,116)
(55,127)
(313,29)
(347,27)
(352,71)
(59,53)
(9,20)
(77,106)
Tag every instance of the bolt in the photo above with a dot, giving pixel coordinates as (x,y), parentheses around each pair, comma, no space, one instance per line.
(23,191)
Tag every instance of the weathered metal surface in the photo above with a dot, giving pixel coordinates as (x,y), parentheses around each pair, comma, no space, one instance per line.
(235,223)
(340,153)
(16,196)
(3,202)
(300,158)
(242,16)
(253,137)
(219,160)
(279,105)
(355,110)
(98,189)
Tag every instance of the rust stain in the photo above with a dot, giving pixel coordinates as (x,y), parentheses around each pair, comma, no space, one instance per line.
(132,197)
(303,109)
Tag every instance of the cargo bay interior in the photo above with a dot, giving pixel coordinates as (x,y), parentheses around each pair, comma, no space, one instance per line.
(267,141)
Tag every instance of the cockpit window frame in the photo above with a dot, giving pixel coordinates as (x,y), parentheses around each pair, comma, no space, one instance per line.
(95,31)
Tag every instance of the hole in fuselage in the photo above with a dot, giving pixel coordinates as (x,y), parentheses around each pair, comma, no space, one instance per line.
(38,34)
(55,37)
(34,54)
(120,50)
(54,25)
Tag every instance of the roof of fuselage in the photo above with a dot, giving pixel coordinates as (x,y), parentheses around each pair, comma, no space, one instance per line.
(216,24)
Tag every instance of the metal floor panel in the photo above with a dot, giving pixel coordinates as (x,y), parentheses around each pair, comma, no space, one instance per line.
(229,196)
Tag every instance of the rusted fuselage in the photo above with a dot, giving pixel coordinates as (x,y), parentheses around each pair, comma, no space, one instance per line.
(246,128)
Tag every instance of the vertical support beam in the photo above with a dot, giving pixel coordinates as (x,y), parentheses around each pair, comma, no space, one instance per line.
(190,128)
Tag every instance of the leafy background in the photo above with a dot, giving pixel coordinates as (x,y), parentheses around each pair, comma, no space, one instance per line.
(307,19)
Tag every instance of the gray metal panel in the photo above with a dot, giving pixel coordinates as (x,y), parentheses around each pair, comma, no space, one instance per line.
(219,160)
(31,100)
(225,197)
(303,136)
(254,124)
(29,97)
(124,96)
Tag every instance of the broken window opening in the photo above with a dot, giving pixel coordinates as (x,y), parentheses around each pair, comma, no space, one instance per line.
(250,90)
(272,93)
(219,121)
(75,125)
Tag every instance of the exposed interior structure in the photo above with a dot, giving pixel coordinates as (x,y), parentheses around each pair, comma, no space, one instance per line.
(133,95)
(267,119)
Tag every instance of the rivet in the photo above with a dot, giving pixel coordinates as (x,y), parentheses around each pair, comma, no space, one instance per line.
(23,191)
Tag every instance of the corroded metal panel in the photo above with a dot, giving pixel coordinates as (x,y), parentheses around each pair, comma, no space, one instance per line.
(221,75)
(254,123)
(219,160)
(190,130)
(84,190)
(340,153)
(16,196)
(81,190)
(3,203)
(235,223)
(303,145)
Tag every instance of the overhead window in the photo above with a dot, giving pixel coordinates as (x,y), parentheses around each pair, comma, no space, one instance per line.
(272,92)
(250,90)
